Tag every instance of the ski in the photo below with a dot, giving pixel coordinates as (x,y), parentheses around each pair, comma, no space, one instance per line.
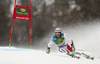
(92,58)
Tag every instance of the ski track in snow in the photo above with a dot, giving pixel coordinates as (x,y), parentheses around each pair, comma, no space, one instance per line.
(26,56)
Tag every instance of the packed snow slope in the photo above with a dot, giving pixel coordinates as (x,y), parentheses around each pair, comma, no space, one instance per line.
(26,56)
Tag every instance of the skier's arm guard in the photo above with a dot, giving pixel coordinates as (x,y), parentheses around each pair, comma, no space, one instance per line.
(48,50)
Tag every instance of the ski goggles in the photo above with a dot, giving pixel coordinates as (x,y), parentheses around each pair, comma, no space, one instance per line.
(57,33)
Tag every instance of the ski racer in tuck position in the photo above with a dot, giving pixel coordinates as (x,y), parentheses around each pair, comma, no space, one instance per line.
(60,40)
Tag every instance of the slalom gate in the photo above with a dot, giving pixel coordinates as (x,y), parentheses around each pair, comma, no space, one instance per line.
(21,13)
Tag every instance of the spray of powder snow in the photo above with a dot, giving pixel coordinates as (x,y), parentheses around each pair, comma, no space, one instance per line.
(85,36)
(12,5)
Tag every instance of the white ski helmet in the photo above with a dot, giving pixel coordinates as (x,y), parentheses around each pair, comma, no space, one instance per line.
(57,30)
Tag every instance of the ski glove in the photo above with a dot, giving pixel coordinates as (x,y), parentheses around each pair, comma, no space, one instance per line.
(48,50)
(73,48)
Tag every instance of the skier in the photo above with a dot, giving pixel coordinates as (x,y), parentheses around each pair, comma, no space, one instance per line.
(60,39)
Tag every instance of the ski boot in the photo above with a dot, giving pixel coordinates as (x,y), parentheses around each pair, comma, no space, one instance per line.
(73,56)
(88,57)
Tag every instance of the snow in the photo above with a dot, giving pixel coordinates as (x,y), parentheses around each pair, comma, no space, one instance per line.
(15,55)
(72,6)
(12,5)
(85,36)
(49,2)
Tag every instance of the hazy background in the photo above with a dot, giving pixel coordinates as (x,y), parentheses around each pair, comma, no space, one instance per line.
(79,19)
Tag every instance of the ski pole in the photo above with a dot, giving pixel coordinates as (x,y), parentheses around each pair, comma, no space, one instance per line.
(85,50)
